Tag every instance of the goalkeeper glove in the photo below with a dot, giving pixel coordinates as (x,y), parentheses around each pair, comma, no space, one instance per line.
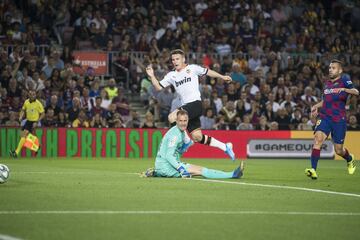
(183,172)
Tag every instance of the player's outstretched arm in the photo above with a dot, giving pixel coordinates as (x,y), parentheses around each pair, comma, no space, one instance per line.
(212,73)
(314,109)
(352,91)
(154,81)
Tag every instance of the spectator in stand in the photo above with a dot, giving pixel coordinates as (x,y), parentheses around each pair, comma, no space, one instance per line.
(149,121)
(353,124)
(308,98)
(111,89)
(98,121)
(134,121)
(274,126)
(263,124)
(253,88)
(295,119)
(288,99)
(95,88)
(254,61)
(97,108)
(43,38)
(74,110)
(207,120)
(305,124)
(223,48)
(49,67)
(13,89)
(233,95)
(283,119)
(245,124)
(237,75)
(81,120)
(165,98)
(105,100)
(274,105)
(55,103)
(230,114)
(50,119)
(13,121)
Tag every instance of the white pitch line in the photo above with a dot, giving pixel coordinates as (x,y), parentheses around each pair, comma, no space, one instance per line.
(6,237)
(278,186)
(155,212)
(221,181)
(120,173)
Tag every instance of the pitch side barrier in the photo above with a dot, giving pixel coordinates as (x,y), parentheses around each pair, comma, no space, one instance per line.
(143,143)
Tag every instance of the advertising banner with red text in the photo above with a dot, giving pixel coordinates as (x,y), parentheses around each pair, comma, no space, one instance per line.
(143,143)
(86,60)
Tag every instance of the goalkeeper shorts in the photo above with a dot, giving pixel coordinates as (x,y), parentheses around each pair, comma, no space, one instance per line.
(167,170)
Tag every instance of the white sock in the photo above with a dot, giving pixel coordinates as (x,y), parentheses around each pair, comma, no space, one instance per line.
(216,143)
(187,139)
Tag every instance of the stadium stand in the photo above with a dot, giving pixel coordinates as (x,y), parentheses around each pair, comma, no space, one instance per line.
(277,53)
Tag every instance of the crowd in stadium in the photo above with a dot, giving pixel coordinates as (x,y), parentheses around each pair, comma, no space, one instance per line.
(277,53)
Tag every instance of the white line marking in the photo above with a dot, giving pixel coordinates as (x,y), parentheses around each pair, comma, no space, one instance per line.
(120,173)
(220,181)
(281,187)
(180,213)
(6,237)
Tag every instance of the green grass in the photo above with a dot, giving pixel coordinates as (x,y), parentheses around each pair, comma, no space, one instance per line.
(185,208)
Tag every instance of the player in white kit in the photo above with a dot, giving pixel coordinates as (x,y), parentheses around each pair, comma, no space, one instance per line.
(185,79)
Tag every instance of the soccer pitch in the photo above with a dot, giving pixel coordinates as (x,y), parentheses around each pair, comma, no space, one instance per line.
(106,199)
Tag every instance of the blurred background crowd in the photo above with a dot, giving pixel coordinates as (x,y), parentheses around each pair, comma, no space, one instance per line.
(277,53)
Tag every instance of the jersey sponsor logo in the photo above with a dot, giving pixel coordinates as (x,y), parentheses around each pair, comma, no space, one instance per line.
(330,91)
(172,142)
(185,80)
(318,123)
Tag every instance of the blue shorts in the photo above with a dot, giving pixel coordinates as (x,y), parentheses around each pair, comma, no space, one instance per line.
(337,129)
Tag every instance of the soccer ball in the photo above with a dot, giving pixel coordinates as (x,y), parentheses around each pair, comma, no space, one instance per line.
(4,173)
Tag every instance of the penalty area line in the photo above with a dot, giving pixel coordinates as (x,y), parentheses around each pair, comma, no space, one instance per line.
(279,186)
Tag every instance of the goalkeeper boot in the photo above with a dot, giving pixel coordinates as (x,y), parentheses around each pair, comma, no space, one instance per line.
(229,151)
(351,165)
(13,154)
(238,172)
(311,173)
(150,172)
(186,146)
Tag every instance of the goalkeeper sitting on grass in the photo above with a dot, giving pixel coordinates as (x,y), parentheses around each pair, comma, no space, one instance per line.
(168,164)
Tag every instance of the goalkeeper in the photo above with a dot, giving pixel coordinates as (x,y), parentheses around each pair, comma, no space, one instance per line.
(34,113)
(168,164)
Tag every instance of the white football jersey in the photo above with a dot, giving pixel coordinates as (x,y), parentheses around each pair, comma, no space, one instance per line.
(185,82)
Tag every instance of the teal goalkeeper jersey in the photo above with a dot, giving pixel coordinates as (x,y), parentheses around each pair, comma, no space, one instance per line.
(168,151)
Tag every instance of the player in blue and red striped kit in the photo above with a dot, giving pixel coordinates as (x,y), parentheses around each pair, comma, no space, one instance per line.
(332,117)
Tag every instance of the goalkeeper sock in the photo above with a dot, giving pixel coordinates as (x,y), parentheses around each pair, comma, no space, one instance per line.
(315,155)
(211,173)
(347,156)
(21,143)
